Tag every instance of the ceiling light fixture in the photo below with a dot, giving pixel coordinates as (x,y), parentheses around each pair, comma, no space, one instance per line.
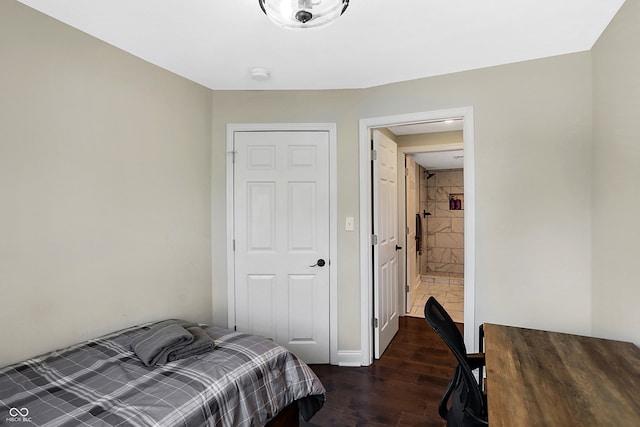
(294,14)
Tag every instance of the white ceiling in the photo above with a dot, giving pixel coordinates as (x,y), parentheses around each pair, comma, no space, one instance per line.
(217,42)
(434,160)
(440,159)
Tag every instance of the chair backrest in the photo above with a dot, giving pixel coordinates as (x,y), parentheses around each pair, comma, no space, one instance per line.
(467,404)
(444,326)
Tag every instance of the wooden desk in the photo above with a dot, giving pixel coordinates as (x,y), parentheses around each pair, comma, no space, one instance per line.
(540,378)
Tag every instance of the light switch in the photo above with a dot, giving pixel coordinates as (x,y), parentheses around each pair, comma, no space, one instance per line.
(348,223)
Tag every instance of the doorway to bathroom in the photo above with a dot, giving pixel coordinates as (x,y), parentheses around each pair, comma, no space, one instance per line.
(465,198)
(434,212)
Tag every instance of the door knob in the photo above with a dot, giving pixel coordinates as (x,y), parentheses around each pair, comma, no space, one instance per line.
(398,247)
(319,263)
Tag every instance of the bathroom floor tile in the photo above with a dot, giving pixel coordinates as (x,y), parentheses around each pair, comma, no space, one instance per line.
(449,293)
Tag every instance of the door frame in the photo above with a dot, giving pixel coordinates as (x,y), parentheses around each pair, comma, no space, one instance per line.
(333,217)
(366,263)
(402,204)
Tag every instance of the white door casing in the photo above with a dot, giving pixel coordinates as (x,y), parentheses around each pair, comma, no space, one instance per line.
(385,230)
(366,263)
(281,222)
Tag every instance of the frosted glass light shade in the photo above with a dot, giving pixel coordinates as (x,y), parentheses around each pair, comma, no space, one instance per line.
(303,13)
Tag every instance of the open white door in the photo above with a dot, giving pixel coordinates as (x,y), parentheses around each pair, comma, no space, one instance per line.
(385,230)
(282,237)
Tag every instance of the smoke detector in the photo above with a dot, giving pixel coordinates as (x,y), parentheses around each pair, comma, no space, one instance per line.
(260,74)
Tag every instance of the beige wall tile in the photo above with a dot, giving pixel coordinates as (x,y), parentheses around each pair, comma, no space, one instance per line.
(442,267)
(423,193)
(449,240)
(457,256)
(442,194)
(457,225)
(445,253)
(431,208)
(431,193)
(438,225)
(439,255)
(449,178)
(442,210)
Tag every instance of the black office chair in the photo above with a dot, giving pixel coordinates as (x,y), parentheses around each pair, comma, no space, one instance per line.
(468,406)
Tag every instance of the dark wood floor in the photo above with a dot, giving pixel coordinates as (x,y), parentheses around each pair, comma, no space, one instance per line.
(403,388)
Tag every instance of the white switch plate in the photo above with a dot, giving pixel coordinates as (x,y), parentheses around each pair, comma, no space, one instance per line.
(348,223)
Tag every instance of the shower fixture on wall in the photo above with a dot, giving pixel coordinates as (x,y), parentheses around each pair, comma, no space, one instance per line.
(429,174)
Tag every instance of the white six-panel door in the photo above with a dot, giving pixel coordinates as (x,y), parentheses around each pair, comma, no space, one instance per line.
(385,228)
(281,227)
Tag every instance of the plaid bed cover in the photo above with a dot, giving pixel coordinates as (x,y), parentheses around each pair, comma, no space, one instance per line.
(245,381)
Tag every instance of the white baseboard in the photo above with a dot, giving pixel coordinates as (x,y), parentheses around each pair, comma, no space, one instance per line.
(351,358)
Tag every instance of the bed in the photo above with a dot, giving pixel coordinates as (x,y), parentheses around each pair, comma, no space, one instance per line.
(245,381)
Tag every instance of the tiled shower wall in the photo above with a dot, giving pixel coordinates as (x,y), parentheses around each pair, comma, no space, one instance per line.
(443,230)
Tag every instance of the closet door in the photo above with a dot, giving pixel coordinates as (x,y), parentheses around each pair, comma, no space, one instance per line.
(281,223)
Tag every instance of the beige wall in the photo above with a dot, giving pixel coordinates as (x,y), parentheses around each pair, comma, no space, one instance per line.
(616,174)
(104,188)
(437,138)
(532,143)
